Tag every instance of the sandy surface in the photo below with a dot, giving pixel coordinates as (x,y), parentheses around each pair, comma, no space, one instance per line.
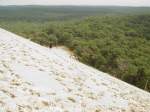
(38,79)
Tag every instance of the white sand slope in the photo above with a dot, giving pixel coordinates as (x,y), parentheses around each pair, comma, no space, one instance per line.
(38,79)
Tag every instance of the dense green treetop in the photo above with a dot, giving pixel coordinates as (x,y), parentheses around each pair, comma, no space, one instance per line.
(115,43)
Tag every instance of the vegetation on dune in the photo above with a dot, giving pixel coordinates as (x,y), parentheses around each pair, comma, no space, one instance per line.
(116,44)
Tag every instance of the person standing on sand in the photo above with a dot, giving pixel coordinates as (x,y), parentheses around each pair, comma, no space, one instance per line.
(50,45)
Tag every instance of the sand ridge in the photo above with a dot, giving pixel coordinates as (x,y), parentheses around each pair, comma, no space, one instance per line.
(34,78)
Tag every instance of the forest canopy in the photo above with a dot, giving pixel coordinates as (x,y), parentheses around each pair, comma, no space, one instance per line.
(114,42)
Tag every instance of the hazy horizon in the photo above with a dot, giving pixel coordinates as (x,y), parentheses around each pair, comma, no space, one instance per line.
(76,5)
(139,3)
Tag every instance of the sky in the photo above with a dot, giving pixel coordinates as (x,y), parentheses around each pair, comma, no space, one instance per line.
(77,2)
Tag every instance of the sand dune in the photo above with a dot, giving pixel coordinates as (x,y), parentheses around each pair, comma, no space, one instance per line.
(38,79)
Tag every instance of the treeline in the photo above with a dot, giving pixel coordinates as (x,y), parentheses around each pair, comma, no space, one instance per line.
(53,13)
(119,45)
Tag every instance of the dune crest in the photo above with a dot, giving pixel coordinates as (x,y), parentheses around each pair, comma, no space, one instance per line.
(34,78)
